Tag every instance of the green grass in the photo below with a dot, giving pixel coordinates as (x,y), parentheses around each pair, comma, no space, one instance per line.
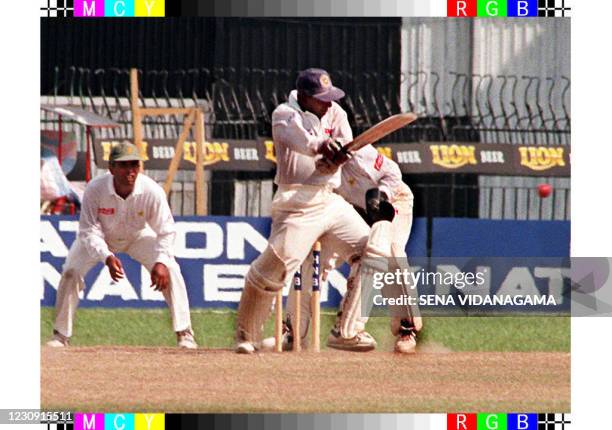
(215,329)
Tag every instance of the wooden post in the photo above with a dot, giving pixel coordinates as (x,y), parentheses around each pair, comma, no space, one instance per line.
(178,150)
(297,325)
(191,115)
(199,168)
(278,322)
(136,116)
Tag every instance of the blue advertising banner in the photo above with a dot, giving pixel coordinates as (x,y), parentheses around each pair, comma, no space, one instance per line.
(518,261)
(468,237)
(214,254)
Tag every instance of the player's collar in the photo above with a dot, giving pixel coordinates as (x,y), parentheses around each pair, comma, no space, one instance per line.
(293,103)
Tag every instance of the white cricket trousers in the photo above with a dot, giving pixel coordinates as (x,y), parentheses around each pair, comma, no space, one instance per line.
(79,262)
(303,214)
(400,227)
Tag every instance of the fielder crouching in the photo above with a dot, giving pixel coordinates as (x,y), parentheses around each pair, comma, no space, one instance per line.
(124,211)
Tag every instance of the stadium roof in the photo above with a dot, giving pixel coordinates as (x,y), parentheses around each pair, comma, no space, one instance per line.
(81,116)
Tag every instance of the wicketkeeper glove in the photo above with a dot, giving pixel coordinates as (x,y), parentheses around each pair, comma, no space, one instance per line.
(378,207)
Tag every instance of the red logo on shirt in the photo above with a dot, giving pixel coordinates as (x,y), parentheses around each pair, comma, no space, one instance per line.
(106,211)
(328,131)
(379,162)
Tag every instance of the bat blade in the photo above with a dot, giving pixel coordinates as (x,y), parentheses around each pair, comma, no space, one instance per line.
(380,130)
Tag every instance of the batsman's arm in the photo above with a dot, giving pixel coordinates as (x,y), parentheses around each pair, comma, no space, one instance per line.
(342,135)
(342,131)
(292,134)
(90,231)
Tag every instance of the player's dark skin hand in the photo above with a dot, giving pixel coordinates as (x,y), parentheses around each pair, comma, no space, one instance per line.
(378,207)
(115,268)
(333,152)
(326,167)
(160,277)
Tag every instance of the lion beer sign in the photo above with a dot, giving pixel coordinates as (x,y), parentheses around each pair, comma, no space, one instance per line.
(483,158)
(413,158)
(249,155)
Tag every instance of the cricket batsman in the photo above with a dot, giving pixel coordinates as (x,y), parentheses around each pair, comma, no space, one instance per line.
(309,132)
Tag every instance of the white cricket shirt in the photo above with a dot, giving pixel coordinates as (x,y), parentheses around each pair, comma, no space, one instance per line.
(109,224)
(370,169)
(297,137)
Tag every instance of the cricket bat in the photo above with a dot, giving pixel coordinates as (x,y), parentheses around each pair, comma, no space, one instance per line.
(380,130)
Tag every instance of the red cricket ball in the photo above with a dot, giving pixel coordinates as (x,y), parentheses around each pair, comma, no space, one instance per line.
(544,190)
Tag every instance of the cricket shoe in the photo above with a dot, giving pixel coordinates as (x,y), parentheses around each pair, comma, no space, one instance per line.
(58,340)
(362,342)
(406,342)
(406,338)
(185,339)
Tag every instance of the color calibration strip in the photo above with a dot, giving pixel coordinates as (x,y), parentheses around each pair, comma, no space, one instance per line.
(467,421)
(507,422)
(507,8)
(304,8)
(102,8)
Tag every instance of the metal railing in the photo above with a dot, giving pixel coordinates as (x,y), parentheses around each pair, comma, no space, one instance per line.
(503,109)
(253,197)
(490,202)
(453,107)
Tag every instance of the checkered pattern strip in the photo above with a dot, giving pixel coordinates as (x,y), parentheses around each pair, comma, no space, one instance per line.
(56,8)
(553,8)
(553,422)
(60,426)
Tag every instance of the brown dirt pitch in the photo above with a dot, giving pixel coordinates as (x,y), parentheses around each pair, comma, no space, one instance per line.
(107,379)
